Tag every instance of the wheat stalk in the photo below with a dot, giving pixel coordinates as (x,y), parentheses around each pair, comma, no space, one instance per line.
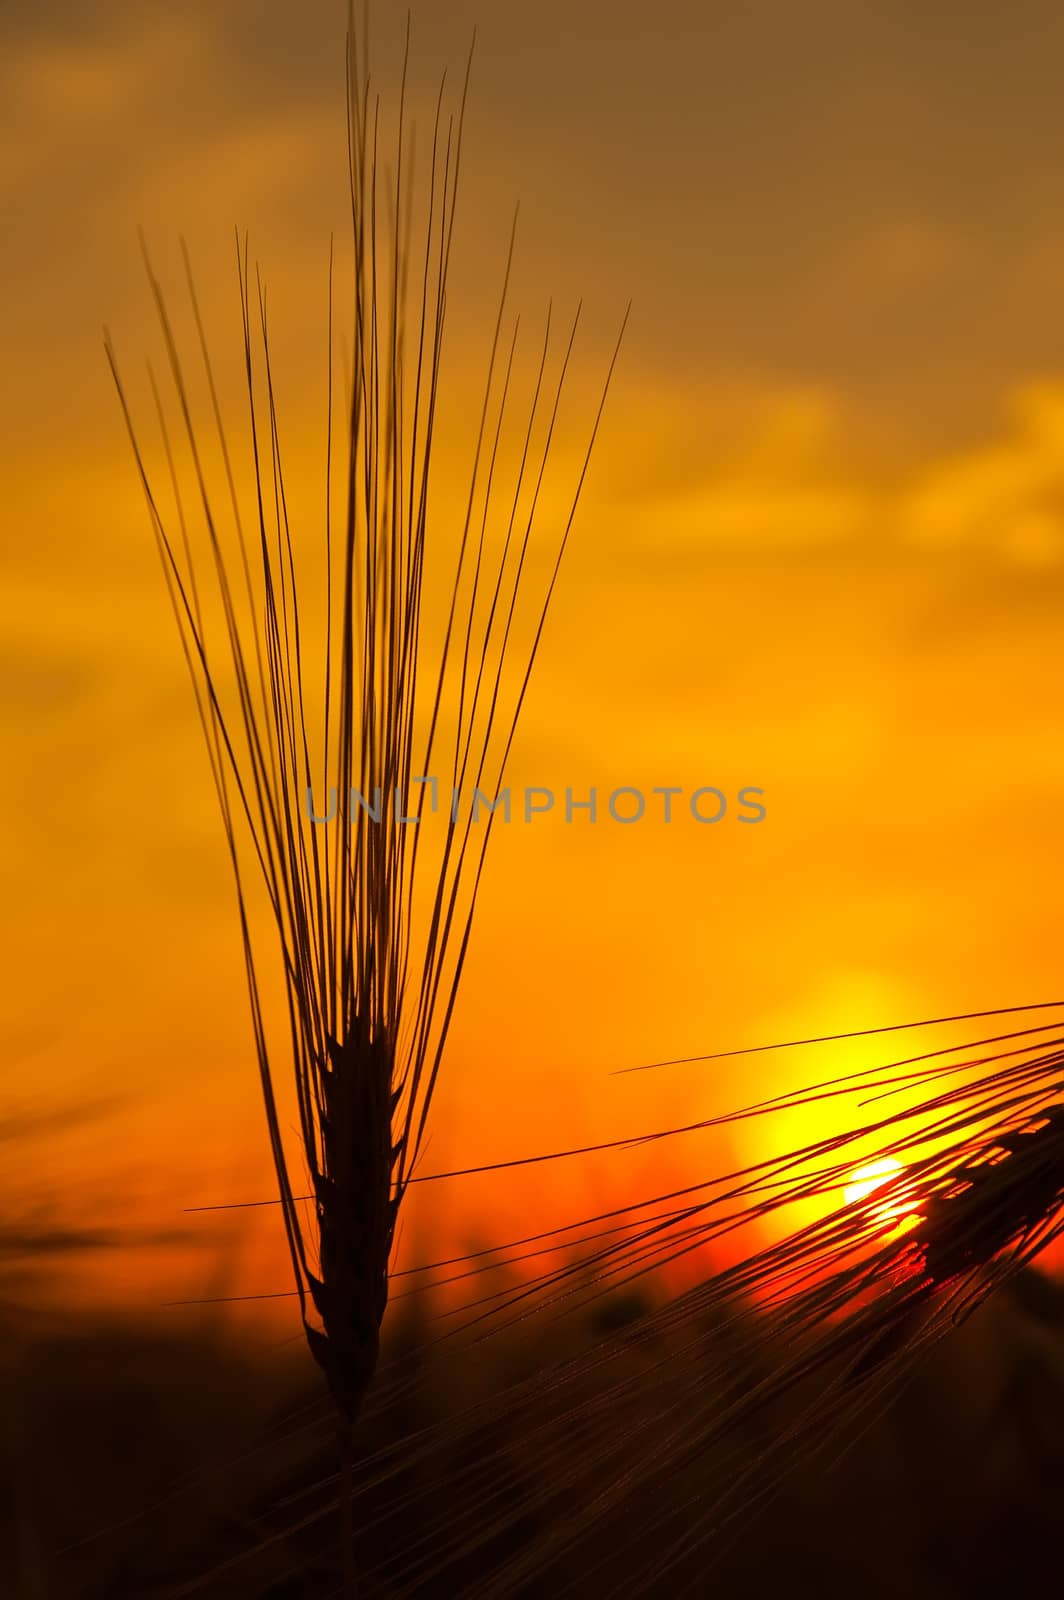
(370,981)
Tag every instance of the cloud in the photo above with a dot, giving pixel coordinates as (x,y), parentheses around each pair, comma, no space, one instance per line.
(1005,495)
(767,466)
(748,514)
(29,1242)
(38,1122)
(755,465)
(903,252)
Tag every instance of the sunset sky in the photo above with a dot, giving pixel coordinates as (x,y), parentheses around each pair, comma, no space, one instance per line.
(821,552)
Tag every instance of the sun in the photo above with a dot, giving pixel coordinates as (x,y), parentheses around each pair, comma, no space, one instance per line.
(894,1215)
(899,1211)
(869,1178)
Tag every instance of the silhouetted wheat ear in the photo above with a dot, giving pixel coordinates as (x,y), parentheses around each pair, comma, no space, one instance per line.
(356,1213)
(780,1360)
(997,1201)
(373,928)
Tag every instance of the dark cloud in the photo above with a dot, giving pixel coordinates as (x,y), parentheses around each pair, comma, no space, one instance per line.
(27,1242)
(40,1122)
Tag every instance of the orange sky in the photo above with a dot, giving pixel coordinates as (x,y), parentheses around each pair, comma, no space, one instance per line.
(820,551)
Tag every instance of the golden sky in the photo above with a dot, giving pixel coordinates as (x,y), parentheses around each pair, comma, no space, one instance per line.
(821,551)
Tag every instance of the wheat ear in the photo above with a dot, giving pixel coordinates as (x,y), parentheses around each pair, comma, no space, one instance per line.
(370,985)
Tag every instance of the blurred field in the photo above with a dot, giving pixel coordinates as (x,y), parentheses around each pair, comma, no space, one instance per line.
(136,1463)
